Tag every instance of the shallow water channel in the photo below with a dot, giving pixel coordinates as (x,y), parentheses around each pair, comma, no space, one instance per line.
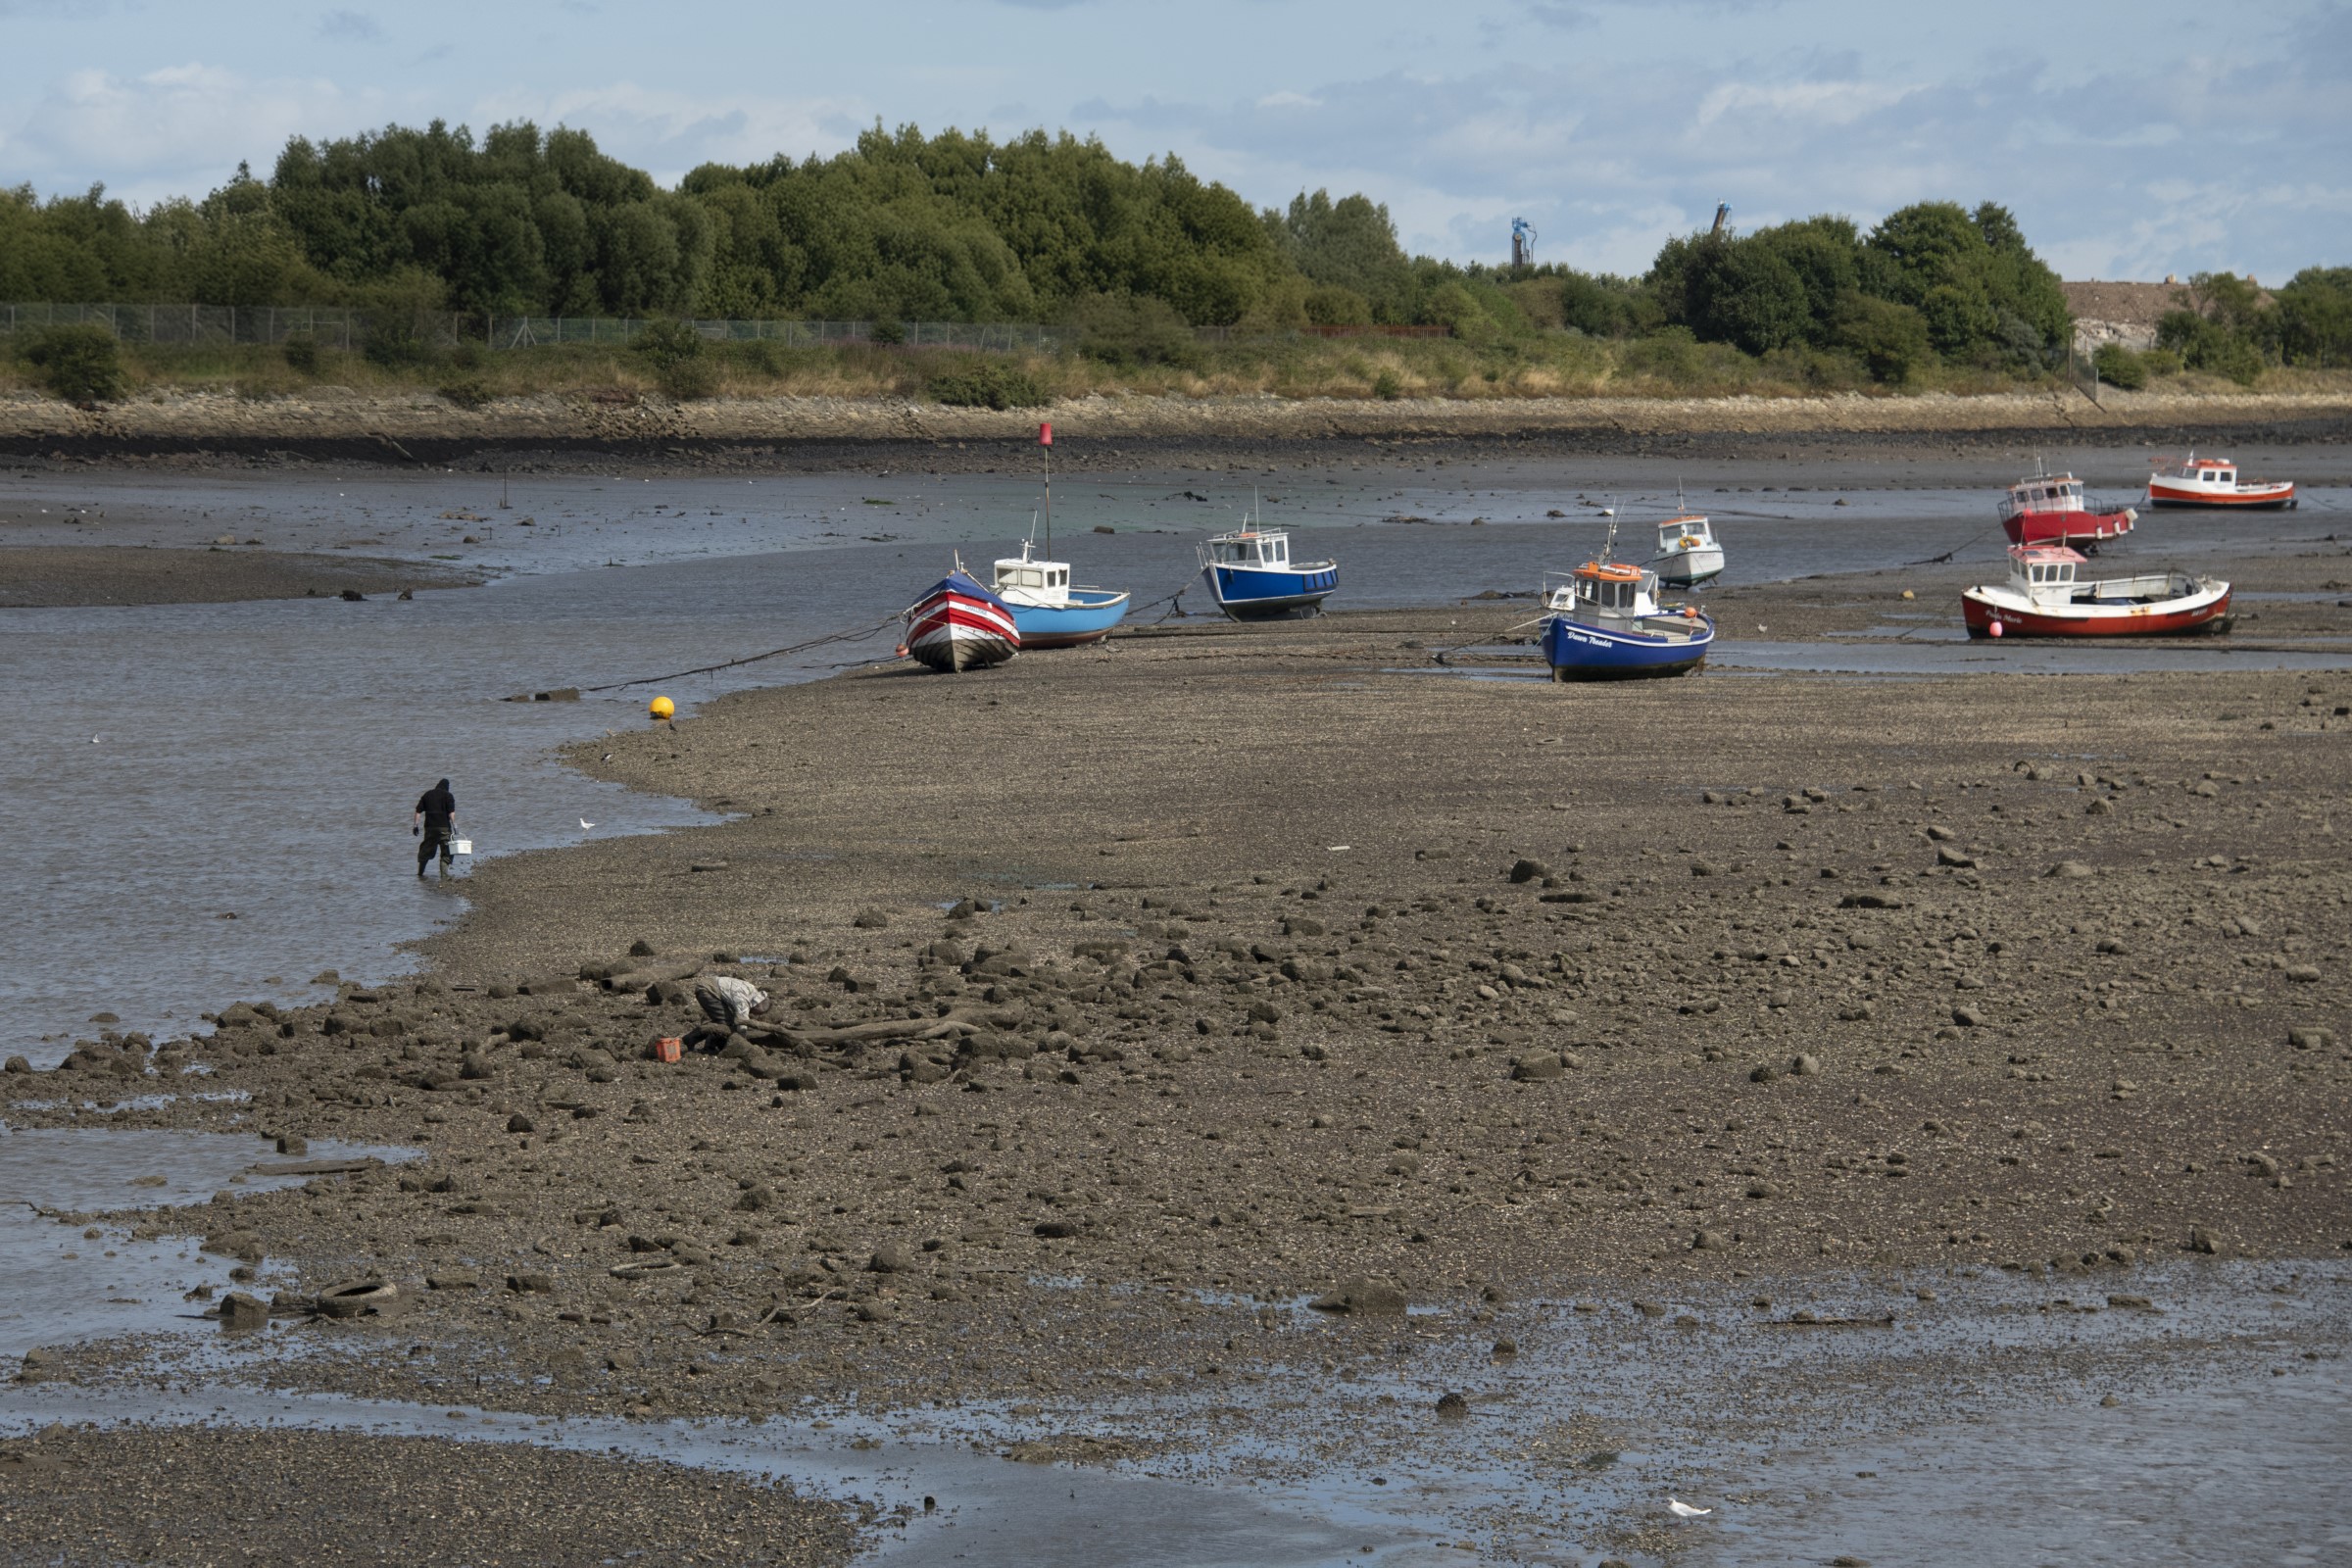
(2188,1413)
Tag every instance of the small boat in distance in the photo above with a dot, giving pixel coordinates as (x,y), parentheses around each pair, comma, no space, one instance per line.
(1047,611)
(2046,596)
(1605,623)
(959,625)
(2196,481)
(1688,553)
(2049,509)
(1251,576)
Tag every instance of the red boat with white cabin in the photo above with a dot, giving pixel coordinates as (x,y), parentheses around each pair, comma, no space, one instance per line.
(2196,481)
(2046,596)
(959,625)
(2049,509)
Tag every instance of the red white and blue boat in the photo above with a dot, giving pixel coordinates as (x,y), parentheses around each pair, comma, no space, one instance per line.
(2046,596)
(2049,509)
(1606,623)
(1047,611)
(959,625)
(2198,481)
(1253,577)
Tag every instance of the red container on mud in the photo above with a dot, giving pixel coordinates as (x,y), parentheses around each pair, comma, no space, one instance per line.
(670,1047)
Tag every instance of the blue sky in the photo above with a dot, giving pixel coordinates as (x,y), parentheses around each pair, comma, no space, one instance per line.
(2132,139)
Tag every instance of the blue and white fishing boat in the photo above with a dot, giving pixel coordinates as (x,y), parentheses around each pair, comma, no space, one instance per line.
(1606,622)
(1253,577)
(1050,613)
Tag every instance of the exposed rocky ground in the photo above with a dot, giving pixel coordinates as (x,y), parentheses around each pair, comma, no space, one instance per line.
(1270,963)
(209,1495)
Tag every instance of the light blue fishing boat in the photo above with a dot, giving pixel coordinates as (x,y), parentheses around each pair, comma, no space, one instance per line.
(1050,613)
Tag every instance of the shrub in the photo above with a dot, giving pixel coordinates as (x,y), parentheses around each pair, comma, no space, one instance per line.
(988,385)
(81,363)
(688,380)
(668,344)
(1889,339)
(2160,362)
(887,331)
(1386,387)
(466,391)
(2117,366)
(1133,330)
(396,343)
(301,352)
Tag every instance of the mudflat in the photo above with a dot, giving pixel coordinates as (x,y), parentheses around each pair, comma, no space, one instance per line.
(1264,960)
(50,575)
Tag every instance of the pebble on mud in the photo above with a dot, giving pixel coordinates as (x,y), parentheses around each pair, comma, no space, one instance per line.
(1362,1297)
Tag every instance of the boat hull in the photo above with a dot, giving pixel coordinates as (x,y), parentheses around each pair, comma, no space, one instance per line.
(2206,607)
(1089,616)
(959,627)
(2076,530)
(1254,593)
(1581,650)
(2245,498)
(1687,569)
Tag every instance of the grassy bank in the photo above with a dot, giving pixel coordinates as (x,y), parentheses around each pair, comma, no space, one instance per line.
(1550,366)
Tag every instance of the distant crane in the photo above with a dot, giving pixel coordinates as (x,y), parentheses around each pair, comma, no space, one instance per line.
(1523,242)
(1723,217)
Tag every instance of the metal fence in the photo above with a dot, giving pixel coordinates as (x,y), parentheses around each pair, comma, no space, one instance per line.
(530,331)
(328,326)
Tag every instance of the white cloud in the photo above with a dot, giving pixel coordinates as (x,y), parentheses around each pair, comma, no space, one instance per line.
(671,133)
(178,130)
(350,26)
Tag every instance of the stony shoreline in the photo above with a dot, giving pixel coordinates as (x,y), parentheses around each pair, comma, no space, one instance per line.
(1277,964)
(341,426)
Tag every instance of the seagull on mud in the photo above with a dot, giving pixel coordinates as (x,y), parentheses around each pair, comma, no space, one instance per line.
(1682,1510)
(586,825)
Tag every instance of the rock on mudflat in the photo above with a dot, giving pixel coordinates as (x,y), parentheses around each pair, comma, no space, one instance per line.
(1363,1298)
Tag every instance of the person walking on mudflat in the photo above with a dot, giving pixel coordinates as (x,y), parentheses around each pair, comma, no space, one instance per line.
(432,821)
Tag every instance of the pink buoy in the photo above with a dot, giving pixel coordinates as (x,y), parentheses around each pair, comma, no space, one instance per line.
(1994,630)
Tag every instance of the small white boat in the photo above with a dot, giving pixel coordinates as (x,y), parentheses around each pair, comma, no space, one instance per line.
(2198,481)
(1689,552)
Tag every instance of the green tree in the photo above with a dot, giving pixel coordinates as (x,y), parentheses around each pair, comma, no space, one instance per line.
(2314,316)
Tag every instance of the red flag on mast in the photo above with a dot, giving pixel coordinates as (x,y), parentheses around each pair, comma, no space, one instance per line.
(1045,435)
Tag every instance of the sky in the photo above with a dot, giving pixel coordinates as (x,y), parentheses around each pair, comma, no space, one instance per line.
(2132,140)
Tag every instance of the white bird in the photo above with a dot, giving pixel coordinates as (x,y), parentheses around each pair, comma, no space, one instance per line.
(585,825)
(1682,1510)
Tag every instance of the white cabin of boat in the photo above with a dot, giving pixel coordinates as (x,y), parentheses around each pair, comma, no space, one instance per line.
(1678,534)
(1267,549)
(2044,573)
(1020,580)
(1606,590)
(2047,492)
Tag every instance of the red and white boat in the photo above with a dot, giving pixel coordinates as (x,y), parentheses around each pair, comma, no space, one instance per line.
(2196,481)
(959,625)
(2049,509)
(2046,596)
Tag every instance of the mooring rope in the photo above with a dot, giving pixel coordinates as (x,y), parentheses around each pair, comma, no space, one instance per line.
(751,658)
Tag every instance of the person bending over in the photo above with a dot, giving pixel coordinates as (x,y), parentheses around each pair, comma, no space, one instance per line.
(728,1003)
(436,814)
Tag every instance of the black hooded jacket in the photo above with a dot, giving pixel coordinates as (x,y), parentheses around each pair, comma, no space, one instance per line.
(440,807)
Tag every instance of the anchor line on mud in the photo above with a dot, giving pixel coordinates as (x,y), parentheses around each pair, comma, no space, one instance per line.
(1937,561)
(751,658)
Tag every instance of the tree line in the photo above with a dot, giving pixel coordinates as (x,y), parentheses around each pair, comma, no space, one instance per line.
(958,226)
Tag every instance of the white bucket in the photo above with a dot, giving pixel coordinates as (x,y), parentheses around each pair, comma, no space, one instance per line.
(460,845)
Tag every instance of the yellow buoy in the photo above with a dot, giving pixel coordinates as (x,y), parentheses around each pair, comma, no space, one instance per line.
(661,707)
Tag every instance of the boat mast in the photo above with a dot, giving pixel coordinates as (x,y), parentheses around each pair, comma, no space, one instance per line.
(1045,439)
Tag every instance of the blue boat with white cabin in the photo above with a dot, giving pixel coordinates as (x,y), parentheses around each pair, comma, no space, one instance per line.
(1050,613)
(1605,623)
(1253,577)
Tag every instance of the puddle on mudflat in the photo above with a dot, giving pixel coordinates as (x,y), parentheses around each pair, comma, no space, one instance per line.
(61,1284)
(988,1510)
